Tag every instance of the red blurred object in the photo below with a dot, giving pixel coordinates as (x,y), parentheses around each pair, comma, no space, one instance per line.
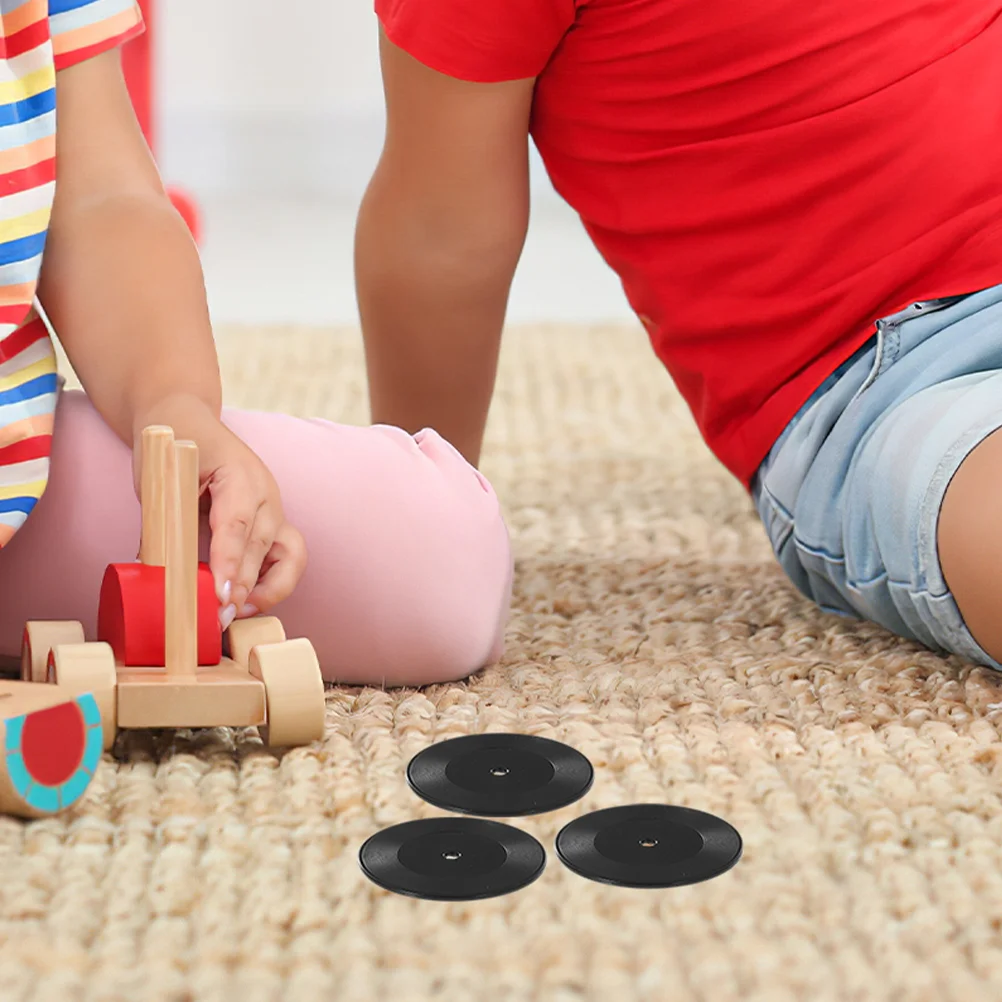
(137,65)
(131,615)
(139,68)
(189,211)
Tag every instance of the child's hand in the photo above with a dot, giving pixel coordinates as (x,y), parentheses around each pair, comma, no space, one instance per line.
(256,556)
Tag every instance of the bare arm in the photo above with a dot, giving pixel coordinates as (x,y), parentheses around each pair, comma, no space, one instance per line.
(121,278)
(122,283)
(439,235)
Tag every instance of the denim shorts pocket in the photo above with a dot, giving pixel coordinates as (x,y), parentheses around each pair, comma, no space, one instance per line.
(776,520)
(888,347)
(889,339)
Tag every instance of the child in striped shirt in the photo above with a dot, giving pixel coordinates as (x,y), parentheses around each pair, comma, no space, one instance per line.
(410,570)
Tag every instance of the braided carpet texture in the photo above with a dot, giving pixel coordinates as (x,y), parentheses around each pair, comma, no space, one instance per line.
(652,631)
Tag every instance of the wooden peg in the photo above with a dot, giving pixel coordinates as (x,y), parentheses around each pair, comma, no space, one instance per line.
(181,572)
(156,444)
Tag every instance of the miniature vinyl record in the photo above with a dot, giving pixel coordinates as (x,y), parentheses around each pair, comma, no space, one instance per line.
(500,775)
(649,845)
(452,859)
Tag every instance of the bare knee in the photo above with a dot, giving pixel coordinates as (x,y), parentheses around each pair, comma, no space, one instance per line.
(970,542)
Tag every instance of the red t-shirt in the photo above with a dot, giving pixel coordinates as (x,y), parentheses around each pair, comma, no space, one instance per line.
(767,178)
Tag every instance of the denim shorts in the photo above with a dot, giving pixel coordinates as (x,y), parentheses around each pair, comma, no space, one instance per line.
(850,493)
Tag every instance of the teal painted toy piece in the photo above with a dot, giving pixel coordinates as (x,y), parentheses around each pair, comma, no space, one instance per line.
(50,754)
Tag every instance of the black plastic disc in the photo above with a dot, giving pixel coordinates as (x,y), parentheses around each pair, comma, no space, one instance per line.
(452,859)
(649,845)
(500,775)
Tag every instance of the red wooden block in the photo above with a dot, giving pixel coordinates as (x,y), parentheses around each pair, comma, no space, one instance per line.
(130,615)
(53,743)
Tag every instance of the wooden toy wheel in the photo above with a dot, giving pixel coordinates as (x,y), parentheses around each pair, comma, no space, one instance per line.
(246,634)
(294,690)
(49,753)
(89,668)
(40,636)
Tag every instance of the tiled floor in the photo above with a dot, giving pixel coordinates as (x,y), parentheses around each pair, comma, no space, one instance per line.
(269,262)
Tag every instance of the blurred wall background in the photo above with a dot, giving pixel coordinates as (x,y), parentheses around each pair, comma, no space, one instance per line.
(266,97)
(271,115)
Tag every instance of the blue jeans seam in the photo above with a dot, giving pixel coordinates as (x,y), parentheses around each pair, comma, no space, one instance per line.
(868,582)
(776,503)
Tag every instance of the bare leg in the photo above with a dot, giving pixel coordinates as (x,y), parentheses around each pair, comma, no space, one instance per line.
(970,542)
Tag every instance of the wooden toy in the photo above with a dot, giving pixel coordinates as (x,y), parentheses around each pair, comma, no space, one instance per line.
(51,745)
(158,659)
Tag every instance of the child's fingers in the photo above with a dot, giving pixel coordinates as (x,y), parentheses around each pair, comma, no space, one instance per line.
(257,546)
(287,561)
(231,521)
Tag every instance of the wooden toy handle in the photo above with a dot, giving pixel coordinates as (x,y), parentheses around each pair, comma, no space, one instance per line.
(181,571)
(156,444)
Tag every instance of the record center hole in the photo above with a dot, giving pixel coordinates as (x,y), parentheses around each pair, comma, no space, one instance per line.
(648,843)
(500,770)
(451,855)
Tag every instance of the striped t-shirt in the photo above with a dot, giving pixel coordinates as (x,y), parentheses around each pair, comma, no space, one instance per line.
(37,38)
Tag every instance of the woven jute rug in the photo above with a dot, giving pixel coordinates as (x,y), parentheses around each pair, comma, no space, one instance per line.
(652,631)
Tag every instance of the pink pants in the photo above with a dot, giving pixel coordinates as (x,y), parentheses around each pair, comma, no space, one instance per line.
(409,575)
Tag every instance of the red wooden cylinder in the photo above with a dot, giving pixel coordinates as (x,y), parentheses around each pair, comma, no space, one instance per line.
(130,615)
